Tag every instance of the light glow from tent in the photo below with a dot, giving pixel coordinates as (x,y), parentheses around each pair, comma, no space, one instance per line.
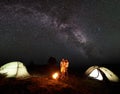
(96,75)
(9,69)
(99,73)
(109,74)
(14,69)
(55,75)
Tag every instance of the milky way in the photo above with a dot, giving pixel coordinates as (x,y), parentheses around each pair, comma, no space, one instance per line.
(37,30)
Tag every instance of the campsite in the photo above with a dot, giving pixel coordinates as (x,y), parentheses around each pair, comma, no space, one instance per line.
(59,47)
(40,81)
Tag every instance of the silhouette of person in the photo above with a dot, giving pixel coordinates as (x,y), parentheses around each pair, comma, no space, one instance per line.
(66,67)
(52,64)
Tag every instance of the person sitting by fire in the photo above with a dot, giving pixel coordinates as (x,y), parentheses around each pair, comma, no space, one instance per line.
(64,68)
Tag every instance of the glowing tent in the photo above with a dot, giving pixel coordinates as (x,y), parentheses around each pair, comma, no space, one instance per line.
(100,73)
(14,69)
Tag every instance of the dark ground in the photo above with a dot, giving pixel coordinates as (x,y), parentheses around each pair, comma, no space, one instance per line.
(41,82)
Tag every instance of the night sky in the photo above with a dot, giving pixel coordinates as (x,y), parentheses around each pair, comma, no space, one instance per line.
(83,31)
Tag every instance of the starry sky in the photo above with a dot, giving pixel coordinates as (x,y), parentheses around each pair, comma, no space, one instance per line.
(83,31)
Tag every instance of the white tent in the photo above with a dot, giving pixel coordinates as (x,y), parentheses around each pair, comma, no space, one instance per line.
(100,73)
(14,69)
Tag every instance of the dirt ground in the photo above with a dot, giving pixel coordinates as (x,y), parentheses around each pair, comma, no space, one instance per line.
(44,84)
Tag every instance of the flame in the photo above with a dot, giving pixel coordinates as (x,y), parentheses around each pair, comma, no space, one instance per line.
(55,75)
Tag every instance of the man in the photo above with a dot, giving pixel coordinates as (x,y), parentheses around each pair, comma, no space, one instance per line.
(66,67)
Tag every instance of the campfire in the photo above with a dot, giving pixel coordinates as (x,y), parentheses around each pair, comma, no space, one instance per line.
(55,75)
